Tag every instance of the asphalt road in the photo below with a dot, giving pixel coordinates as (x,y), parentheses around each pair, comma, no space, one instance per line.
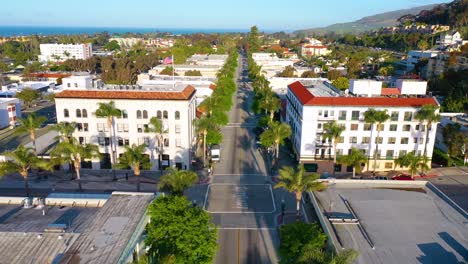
(240,197)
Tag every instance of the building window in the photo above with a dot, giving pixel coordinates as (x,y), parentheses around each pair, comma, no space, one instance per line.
(159,114)
(379,139)
(68,85)
(342,115)
(393,127)
(365,140)
(339,152)
(389,154)
(78,112)
(177,115)
(423,128)
(81,140)
(355,115)
(140,128)
(406,127)
(319,125)
(101,127)
(138,113)
(103,141)
(145,114)
(367,127)
(178,142)
(85,127)
(122,127)
(165,115)
(337,168)
(408,116)
(353,140)
(85,113)
(388,165)
(377,153)
(341,140)
(394,116)
(391,140)
(120,141)
(177,129)
(79,127)
(380,127)
(404,140)
(402,153)
(124,113)
(66,113)
(166,142)
(354,127)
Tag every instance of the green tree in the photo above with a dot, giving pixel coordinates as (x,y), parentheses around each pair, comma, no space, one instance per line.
(295,236)
(156,126)
(386,70)
(355,158)
(297,182)
(28,96)
(193,73)
(404,160)
(253,40)
(333,132)
(455,141)
(134,157)
(373,117)
(288,72)
(275,136)
(416,162)
(309,74)
(109,112)
(353,68)
(314,255)
(168,71)
(428,114)
(423,45)
(72,152)
(341,83)
(270,103)
(22,160)
(29,125)
(112,45)
(203,126)
(4,67)
(180,231)
(177,181)
(333,75)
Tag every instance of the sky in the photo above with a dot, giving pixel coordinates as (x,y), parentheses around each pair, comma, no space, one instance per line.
(238,14)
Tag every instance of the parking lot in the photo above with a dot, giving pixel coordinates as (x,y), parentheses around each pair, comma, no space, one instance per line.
(248,198)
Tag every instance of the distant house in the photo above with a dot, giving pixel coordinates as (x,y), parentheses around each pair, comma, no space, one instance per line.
(313,47)
(449,39)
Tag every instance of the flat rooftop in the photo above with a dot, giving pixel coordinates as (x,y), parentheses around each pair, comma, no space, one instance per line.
(67,233)
(405,225)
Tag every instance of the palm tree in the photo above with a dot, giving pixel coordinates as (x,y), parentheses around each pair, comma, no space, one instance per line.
(72,152)
(414,163)
(109,111)
(373,116)
(65,130)
(177,181)
(270,103)
(404,160)
(22,160)
(427,113)
(156,126)
(203,125)
(275,136)
(333,133)
(355,158)
(29,125)
(297,182)
(135,158)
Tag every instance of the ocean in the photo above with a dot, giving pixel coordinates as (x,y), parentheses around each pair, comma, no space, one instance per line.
(8,31)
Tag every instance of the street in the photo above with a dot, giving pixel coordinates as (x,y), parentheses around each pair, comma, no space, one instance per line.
(240,197)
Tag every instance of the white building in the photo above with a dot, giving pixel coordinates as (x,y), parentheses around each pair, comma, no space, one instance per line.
(280,84)
(127,42)
(62,52)
(449,39)
(180,69)
(310,50)
(10,110)
(81,81)
(310,108)
(174,105)
(414,56)
(208,59)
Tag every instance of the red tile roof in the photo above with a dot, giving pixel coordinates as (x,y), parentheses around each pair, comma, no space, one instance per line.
(212,87)
(185,94)
(307,98)
(390,91)
(314,47)
(47,75)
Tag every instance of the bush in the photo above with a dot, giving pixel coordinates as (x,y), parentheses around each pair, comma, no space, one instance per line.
(294,237)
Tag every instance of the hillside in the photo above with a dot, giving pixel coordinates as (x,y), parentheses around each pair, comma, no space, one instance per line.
(367,23)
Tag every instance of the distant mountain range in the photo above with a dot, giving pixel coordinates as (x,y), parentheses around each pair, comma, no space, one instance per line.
(367,23)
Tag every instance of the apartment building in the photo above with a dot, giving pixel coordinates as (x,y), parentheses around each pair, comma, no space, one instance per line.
(414,56)
(174,105)
(10,110)
(309,108)
(62,52)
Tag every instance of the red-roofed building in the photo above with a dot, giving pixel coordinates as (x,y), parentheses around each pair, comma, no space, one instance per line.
(308,110)
(175,106)
(311,50)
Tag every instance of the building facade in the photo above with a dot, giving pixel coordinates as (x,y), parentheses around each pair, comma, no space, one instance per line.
(307,112)
(10,111)
(175,106)
(62,52)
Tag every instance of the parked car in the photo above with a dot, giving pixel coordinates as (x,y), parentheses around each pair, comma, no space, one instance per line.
(403,177)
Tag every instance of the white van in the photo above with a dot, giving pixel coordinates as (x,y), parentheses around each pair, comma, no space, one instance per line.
(215,153)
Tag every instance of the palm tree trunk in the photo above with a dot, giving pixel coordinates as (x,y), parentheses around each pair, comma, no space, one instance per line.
(111,139)
(298,202)
(272,115)
(136,172)
(370,146)
(277,152)
(78,176)
(354,171)
(376,148)
(427,139)
(334,156)
(26,186)
(204,149)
